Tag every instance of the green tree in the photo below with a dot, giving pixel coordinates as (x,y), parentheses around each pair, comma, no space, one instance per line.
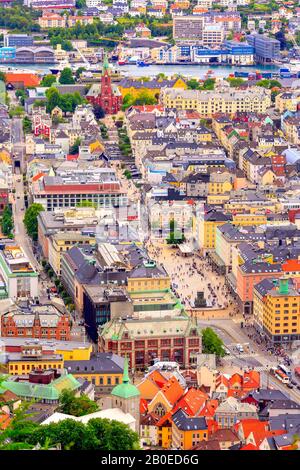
(16,111)
(265,83)
(209,84)
(193,84)
(66,77)
(76,406)
(39,103)
(30,219)
(128,101)
(128,174)
(175,237)
(27,125)
(211,343)
(53,98)
(79,71)
(21,94)
(48,80)
(235,82)
(7,221)
(144,98)
(74,149)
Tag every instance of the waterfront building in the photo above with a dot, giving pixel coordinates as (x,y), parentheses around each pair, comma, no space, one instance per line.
(7,54)
(266,49)
(276,310)
(18,274)
(17,40)
(188,27)
(34,55)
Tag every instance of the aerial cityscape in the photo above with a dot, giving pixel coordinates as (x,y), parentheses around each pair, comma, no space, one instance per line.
(149,226)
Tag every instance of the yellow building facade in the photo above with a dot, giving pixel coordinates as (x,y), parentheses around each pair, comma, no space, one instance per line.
(62,242)
(223,100)
(185,439)
(153,91)
(24,366)
(277,312)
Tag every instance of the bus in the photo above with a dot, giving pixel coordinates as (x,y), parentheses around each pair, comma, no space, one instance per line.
(280,375)
(285,369)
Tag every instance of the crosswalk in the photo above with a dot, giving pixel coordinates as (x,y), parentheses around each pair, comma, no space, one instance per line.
(239,356)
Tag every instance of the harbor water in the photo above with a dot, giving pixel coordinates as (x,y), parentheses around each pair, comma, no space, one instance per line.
(133,70)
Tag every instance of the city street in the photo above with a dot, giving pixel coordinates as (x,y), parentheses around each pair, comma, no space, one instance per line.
(254,356)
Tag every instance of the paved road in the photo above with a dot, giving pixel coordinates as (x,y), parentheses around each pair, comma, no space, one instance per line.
(231,334)
(17,139)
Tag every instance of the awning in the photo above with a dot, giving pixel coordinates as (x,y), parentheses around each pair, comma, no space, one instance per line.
(185,249)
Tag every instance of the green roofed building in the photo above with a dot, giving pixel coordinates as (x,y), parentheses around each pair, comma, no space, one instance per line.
(126,396)
(45,393)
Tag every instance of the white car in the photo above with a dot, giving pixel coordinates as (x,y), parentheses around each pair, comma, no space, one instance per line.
(240,348)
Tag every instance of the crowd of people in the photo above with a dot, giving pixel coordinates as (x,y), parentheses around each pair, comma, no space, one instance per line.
(192,274)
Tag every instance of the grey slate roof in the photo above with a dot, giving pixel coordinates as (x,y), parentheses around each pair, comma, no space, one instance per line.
(106,363)
(184,423)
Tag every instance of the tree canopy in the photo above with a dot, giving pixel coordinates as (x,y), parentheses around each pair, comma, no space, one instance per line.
(76,406)
(265,83)
(7,223)
(211,343)
(235,82)
(66,102)
(48,80)
(30,219)
(74,149)
(66,77)
(193,84)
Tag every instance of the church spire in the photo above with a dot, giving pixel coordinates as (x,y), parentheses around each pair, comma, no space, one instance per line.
(105,63)
(126,379)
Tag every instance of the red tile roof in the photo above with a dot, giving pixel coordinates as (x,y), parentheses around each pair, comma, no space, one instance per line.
(143,406)
(4,421)
(172,390)
(191,402)
(249,447)
(38,176)
(29,79)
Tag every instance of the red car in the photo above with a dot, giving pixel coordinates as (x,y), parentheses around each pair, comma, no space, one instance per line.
(53,289)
